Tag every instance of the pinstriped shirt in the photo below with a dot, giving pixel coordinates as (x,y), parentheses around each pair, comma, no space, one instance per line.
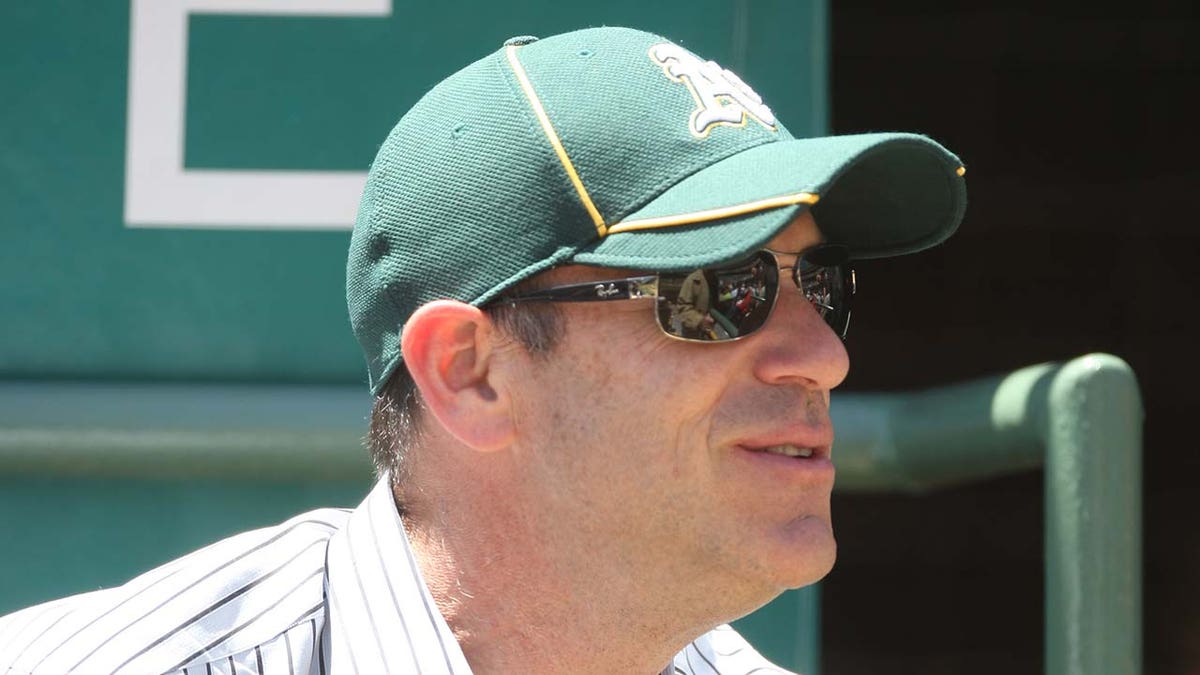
(329,591)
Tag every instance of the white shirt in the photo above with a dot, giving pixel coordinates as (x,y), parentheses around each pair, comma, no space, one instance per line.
(329,591)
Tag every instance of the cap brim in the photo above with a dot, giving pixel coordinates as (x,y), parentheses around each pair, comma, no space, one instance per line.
(879,194)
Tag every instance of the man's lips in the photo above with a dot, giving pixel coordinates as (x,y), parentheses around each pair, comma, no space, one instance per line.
(811,443)
(801,459)
(792,450)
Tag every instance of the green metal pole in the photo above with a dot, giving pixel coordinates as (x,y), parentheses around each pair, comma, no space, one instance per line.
(1082,420)
(1093,541)
(183,430)
(919,441)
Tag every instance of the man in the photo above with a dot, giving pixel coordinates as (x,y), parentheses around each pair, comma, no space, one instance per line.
(693,305)
(569,482)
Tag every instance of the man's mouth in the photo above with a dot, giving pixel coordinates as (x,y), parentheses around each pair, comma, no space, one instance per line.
(802,464)
(787,450)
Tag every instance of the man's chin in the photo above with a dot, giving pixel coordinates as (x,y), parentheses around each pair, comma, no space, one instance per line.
(812,575)
(808,559)
(793,574)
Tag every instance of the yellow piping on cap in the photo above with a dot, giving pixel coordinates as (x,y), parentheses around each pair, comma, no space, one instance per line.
(715,214)
(552,136)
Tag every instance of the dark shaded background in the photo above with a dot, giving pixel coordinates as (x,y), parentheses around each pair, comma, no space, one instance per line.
(1078,131)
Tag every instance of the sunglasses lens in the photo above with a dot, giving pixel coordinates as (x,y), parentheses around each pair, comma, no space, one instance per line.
(722,303)
(824,276)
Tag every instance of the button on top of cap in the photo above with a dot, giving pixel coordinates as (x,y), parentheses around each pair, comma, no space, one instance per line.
(520,40)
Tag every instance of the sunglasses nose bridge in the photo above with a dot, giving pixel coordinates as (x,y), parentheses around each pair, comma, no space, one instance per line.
(794,304)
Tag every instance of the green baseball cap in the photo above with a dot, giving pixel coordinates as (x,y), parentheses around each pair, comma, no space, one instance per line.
(612,147)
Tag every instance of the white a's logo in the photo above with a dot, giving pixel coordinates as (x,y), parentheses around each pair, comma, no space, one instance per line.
(722,97)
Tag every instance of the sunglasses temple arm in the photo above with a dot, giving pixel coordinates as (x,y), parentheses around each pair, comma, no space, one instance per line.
(592,291)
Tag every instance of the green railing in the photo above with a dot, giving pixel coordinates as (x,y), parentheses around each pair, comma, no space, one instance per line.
(1081,420)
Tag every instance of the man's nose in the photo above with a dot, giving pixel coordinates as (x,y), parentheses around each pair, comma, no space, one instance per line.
(798,347)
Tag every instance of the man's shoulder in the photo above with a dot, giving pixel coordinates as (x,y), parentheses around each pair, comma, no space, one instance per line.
(221,600)
(722,650)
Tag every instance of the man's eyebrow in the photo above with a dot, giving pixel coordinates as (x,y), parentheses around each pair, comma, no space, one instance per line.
(810,247)
(787,259)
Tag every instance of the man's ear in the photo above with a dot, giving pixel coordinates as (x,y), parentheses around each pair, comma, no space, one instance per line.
(447,347)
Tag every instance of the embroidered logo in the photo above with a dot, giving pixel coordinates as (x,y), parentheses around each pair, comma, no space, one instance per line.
(722,97)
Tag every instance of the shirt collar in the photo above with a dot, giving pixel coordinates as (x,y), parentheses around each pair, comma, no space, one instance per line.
(382,617)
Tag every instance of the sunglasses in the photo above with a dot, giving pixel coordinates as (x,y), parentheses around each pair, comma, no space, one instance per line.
(726,302)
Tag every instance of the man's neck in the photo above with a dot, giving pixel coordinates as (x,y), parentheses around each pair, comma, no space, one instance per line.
(515,608)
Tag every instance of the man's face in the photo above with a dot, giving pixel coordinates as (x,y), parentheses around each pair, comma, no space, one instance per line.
(650,452)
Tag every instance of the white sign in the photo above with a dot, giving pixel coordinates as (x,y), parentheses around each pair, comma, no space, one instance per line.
(159,192)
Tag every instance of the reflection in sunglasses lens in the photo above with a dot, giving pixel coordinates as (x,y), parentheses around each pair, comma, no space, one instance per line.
(822,276)
(719,303)
(725,303)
